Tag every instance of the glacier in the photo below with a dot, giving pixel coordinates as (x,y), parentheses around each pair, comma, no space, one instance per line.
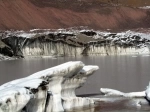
(66,42)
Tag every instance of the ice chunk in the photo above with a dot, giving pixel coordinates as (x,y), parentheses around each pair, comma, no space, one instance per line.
(49,90)
(113,92)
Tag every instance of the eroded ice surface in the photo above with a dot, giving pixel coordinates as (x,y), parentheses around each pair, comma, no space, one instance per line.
(49,90)
(63,42)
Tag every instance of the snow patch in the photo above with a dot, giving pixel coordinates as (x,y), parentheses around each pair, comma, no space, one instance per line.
(145,7)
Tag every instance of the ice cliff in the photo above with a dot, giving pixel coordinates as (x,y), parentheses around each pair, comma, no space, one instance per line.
(64,42)
(50,90)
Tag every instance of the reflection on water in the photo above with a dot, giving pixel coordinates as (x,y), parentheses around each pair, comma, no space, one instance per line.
(124,73)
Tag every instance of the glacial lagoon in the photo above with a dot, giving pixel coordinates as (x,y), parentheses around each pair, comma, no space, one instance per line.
(125,73)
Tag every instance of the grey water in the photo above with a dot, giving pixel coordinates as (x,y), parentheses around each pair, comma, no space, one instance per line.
(124,73)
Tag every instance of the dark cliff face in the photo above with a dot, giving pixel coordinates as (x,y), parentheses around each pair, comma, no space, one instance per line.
(96,14)
(5,49)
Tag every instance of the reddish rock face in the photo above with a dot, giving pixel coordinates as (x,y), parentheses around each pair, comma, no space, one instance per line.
(96,14)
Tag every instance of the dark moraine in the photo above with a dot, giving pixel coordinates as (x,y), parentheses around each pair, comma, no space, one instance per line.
(124,73)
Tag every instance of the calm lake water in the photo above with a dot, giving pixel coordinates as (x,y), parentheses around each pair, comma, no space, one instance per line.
(124,73)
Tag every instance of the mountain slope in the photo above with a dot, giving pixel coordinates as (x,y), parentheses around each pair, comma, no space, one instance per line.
(30,14)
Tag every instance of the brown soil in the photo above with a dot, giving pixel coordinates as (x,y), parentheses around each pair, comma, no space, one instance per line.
(96,14)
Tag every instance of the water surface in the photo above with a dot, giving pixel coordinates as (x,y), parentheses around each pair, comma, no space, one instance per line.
(124,73)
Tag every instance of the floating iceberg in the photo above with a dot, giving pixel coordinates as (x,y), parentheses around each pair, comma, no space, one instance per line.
(131,99)
(53,90)
(50,90)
